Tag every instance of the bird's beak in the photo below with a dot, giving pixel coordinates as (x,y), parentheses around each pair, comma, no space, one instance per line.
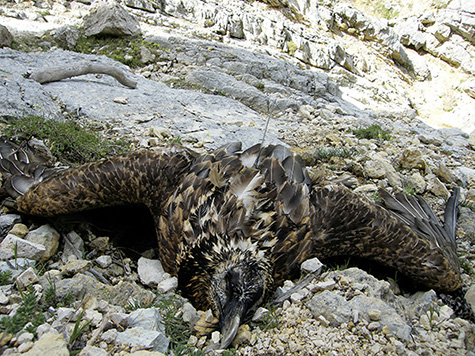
(229,331)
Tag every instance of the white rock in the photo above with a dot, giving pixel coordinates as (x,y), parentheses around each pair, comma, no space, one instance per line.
(260,314)
(310,266)
(46,236)
(24,337)
(168,285)
(93,351)
(104,261)
(3,298)
(215,336)
(24,248)
(150,271)
(27,278)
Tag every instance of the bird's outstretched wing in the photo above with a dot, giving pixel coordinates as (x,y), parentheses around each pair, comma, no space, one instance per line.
(407,237)
(145,177)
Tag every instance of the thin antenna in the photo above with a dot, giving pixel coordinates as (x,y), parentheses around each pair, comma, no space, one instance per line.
(264,134)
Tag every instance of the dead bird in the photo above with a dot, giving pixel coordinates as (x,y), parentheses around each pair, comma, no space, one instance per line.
(232,225)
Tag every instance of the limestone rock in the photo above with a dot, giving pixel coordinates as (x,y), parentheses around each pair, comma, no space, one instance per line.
(23,248)
(27,278)
(7,221)
(150,271)
(73,248)
(20,230)
(6,37)
(149,319)
(311,265)
(48,237)
(110,20)
(149,339)
(436,187)
(168,285)
(331,306)
(49,344)
(412,159)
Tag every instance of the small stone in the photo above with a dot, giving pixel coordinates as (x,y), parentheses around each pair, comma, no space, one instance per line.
(109,336)
(445,174)
(296,297)
(150,271)
(77,247)
(324,285)
(93,351)
(189,314)
(310,266)
(445,313)
(192,341)
(209,316)
(23,248)
(168,285)
(65,315)
(45,329)
(374,326)
(46,236)
(27,278)
(3,298)
(374,314)
(148,319)
(93,316)
(215,337)
(121,100)
(243,336)
(119,318)
(25,347)
(50,344)
(100,243)
(149,339)
(75,266)
(104,261)
(20,230)
(7,221)
(260,314)
(24,337)
(435,186)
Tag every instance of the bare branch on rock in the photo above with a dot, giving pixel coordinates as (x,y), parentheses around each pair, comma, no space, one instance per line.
(54,74)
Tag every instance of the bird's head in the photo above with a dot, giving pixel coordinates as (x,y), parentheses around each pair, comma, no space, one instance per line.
(236,291)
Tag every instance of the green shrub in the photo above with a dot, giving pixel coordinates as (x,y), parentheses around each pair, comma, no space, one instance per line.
(67,140)
(372,132)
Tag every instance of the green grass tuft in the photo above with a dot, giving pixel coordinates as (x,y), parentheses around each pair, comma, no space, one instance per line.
(29,311)
(373,132)
(67,139)
(5,277)
(124,50)
(324,154)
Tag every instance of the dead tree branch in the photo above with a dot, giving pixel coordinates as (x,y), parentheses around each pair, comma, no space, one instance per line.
(54,74)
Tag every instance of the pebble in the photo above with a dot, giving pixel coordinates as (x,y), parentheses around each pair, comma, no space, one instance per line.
(104,261)
(26,278)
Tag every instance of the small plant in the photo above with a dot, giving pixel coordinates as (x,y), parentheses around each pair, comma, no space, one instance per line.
(372,132)
(176,328)
(51,299)
(409,190)
(270,320)
(5,277)
(28,312)
(466,266)
(431,315)
(66,139)
(74,339)
(124,50)
(324,154)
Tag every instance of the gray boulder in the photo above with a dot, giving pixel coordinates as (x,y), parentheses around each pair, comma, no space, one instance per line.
(111,20)
(6,37)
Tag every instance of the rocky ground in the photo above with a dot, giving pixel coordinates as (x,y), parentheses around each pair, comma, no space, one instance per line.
(209,72)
